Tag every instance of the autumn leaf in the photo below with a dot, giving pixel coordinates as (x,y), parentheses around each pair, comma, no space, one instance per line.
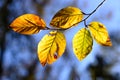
(51,47)
(28,24)
(82,43)
(67,17)
(100,34)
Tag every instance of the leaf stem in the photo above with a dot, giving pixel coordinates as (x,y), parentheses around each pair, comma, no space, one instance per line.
(85,23)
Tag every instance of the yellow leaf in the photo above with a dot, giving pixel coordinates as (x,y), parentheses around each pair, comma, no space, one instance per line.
(28,24)
(67,17)
(100,34)
(82,43)
(51,47)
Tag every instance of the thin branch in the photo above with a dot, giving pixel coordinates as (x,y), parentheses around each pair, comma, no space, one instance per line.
(93,10)
(84,20)
(89,14)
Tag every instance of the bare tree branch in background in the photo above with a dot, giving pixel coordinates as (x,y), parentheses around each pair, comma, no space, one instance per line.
(4,13)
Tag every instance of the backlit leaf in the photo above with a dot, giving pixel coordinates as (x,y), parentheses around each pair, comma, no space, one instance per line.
(82,43)
(67,17)
(28,24)
(100,34)
(51,47)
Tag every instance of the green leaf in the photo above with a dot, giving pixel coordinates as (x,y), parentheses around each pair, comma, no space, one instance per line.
(82,43)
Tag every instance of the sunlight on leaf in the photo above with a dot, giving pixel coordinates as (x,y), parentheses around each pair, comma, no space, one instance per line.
(82,43)
(100,34)
(67,17)
(51,47)
(28,24)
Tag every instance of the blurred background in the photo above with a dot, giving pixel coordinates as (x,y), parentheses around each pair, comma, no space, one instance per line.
(18,53)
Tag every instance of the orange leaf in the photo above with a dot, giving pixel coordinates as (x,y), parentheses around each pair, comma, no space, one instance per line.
(28,24)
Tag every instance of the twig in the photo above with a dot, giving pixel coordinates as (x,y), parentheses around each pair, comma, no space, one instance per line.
(84,20)
(91,13)
(93,10)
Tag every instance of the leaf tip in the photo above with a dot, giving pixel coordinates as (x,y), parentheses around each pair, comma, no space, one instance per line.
(43,64)
(108,42)
(81,59)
